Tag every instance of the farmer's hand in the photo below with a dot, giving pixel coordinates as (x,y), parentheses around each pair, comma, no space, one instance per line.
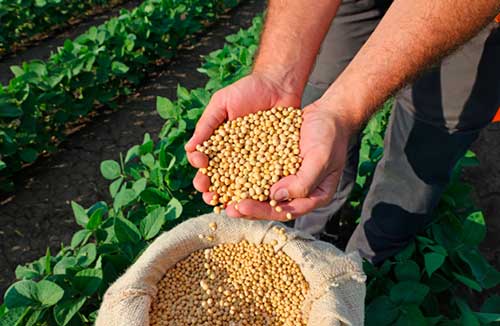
(324,137)
(248,95)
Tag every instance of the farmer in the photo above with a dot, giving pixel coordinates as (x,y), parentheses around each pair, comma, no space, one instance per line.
(441,59)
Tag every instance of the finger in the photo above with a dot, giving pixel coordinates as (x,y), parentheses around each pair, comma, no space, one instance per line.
(197,159)
(304,182)
(260,210)
(213,116)
(201,182)
(207,197)
(320,197)
(231,211)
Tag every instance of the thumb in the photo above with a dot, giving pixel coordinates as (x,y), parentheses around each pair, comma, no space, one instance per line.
(213,116)
(302,184)
(290,187)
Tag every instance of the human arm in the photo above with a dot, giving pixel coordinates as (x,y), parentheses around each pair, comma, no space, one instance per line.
(288,48)
(412,36)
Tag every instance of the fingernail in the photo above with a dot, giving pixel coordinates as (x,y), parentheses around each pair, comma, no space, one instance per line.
(281,195)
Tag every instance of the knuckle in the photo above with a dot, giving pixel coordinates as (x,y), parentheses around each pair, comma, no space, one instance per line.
(302,191)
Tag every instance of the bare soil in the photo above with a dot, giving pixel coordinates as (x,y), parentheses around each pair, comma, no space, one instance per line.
(38,214)
(45,44)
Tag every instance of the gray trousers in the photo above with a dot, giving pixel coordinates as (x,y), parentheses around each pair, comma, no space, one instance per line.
(432,124)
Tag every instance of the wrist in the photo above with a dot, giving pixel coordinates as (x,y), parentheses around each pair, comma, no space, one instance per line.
(345,108)
(282,77)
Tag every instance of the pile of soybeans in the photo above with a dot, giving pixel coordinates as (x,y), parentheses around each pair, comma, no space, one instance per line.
(251,153)
(233,284)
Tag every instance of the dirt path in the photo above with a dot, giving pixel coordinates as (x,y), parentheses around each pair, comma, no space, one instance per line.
(39,214)
(486,181)
(42,49)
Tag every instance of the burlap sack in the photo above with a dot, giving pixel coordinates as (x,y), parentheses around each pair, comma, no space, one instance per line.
(336,280)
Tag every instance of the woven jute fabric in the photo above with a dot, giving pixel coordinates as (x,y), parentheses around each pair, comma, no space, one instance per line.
(336,280)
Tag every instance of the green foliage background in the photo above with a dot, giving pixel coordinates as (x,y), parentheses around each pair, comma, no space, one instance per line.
(100,65)
(22,19)
(151,190)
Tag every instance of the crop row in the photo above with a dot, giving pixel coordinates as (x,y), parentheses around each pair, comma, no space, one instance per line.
(20,20)
(152,192)
(105,62)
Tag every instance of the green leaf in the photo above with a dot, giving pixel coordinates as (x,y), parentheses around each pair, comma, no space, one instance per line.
(409,292)
(153,196)
(146,148)
(156,177)
(469,159)
(26,272)
(140,185)
(491,305)
(468,282)
(48,293)
(80,237)
(14,316)
(174,210)
(126,231)
(64,264)
(20,294)
(124,197)
(485,274)
(80,214)
(474,229)
(167,160)
(2,165)
(407,252)
(487,318)
(35,316)
(87,281)
(411,316)
(48,260)
(40,3)
(407,271)
(381,311)
(467,317)
(110,169)
(28,155)
(183,93)
(194,114)
(433,261)
(119,68)
(99,206)
(17,71)
(148,160)
(134,151)
(431,321)
(166,109)
(9,110)
(152,223)
(87,255)
(114,187)
(95,219)
(65,311)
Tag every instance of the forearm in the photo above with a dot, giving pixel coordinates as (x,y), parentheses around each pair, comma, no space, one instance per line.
(411,36)
(293,33)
